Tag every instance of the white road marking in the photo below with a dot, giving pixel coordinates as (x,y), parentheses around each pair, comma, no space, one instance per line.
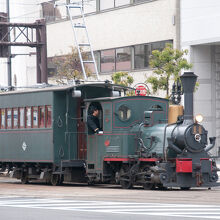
(132,208)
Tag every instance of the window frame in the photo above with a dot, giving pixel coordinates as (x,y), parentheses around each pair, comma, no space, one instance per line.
(3,127)
(117,62)
(128,110)
(33,110)
(114,62)
(46,117)
(13,125)
(26,117)
(39,116)
(6,125)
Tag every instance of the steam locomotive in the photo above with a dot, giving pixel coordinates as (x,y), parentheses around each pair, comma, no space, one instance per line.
(43,135)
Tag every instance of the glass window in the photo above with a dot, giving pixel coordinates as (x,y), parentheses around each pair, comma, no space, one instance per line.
(41,116)
(2,118)
(124,113)
(159,45)
(108,61)
(106,4)
(90,66)
(28,117)
(21,117)
(9,118)
(89,7)
(35,117)
(141,56)
(122,2)
(15,118)
(49,115)
(123,59)
(140,1)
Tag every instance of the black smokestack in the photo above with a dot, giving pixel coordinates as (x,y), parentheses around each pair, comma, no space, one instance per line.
(188,80)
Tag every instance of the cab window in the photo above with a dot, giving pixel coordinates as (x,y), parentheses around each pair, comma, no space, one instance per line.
(124,113)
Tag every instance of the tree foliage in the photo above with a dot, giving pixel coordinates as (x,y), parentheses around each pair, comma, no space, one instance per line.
(167,64)
(69,68)
(124,79)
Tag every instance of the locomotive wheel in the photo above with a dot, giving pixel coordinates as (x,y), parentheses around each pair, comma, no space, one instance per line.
(24,178)
(148,186)
(125,180)
(55,180)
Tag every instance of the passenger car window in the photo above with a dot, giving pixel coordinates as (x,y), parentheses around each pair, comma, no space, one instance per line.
(35,117)
(9,118)
(28,117)
(124,113)
(15,118)
(21,117)
(2,118)
(48,119)
(41,116)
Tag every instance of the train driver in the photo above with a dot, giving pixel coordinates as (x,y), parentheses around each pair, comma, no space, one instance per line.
(93,121)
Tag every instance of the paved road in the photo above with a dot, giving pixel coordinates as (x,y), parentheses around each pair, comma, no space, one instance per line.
(82,209)
(81,202)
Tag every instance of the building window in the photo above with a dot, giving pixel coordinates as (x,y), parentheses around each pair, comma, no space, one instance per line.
(28,117)
(41,116)
(136,1)
(15,118)
(21,118)
(122,2)
(159,45)
(123,59)
(48,116)
(89,7)
(106,4)
(108,61)
(91,66)
(35,117)
(141,56)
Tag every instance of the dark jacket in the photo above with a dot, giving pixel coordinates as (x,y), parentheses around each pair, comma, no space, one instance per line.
(93,124)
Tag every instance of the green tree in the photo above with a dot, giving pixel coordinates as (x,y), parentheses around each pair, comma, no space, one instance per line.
(68,67)
(124,79)
(167,65)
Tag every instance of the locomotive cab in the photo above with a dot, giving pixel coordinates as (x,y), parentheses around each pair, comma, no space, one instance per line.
(118,144)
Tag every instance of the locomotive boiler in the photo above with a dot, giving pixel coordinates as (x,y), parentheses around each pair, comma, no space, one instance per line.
(180,150)
(43,135)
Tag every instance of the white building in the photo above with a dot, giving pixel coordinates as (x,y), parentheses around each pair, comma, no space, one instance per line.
(122,32)
(23,66)
(200,33)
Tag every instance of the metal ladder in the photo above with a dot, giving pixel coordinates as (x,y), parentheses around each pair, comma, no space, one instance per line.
(80,46)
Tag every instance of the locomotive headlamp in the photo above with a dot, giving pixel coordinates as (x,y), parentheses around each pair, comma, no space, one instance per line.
(199,118)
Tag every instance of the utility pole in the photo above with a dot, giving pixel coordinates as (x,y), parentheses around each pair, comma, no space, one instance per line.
(9,48)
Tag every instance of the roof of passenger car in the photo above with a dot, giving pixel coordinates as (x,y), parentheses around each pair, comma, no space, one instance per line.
(123,97)
(48,88)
